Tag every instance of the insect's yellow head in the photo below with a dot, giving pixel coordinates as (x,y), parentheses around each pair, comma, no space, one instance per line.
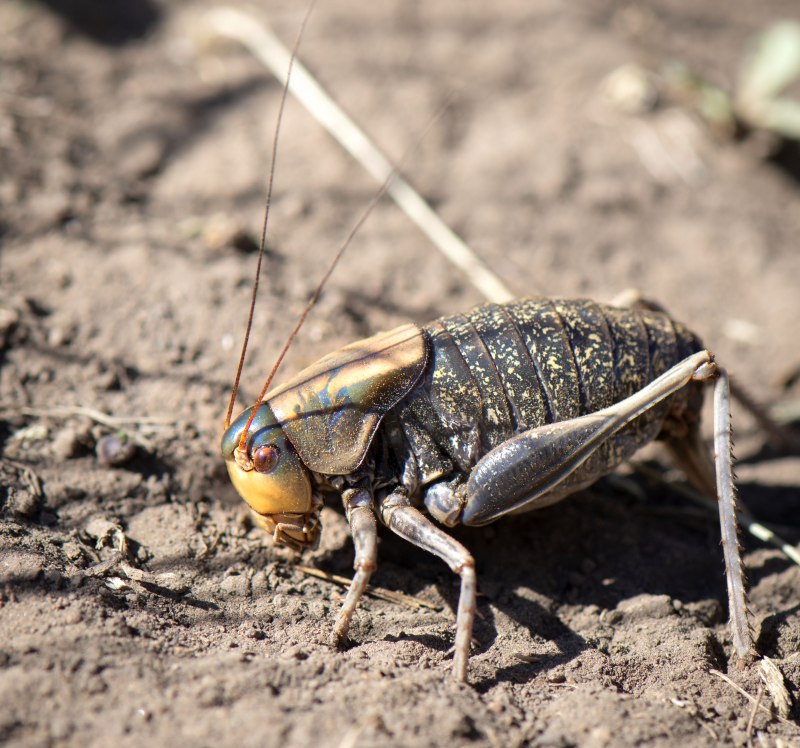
(269,475)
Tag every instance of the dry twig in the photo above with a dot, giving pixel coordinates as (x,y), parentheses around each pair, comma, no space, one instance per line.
(377,592)
(267,48)
(776,686)
(753,712)
(98,416)
(750,698)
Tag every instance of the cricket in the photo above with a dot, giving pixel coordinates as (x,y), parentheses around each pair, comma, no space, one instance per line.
(475,417)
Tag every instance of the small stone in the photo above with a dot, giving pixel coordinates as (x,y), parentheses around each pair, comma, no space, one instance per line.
(630,90)
(74,615)
(23,504)
(72,550)
(260,583)
(219,231)
(647,606)
(66,444)
(115,449)
(17,567)
(235,586)
(9,318)
(60,335)
(296,653)
(257,634)
(49,207)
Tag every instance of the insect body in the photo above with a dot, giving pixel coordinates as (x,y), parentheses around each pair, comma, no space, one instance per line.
(502,410)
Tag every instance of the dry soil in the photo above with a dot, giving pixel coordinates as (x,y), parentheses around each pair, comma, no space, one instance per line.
(133,153)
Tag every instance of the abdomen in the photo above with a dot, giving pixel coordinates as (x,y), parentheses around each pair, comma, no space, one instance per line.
(502,369)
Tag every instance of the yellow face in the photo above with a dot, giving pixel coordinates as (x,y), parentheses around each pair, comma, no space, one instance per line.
(271,478)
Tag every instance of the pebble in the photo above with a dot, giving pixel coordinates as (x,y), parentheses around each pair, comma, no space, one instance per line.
(23,504)
(235,586)
(114,449)
(73,615)
(20,567)
(9,318)
(647,606)
(66,444)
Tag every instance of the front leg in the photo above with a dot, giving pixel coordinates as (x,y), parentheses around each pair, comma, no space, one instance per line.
(359,505)
(409,523)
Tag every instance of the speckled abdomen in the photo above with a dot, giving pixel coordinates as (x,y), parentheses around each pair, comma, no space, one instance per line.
(500,370)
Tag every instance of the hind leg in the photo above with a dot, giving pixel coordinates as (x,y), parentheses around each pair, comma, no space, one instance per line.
(716,479)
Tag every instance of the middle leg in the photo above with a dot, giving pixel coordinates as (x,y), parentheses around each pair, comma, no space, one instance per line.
(409,523)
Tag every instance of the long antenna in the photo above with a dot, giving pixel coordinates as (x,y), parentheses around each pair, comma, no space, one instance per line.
(384,188)
(268,202)
(267,48)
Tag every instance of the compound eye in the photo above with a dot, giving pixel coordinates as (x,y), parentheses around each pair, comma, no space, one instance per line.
(265,459)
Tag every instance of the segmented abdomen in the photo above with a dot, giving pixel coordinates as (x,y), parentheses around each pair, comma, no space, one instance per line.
(502,369)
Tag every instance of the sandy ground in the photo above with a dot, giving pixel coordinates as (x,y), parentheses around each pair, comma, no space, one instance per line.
(133,154)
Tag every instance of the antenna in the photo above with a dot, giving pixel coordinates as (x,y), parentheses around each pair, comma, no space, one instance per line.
(267,204)
(391,177)
(384,188)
